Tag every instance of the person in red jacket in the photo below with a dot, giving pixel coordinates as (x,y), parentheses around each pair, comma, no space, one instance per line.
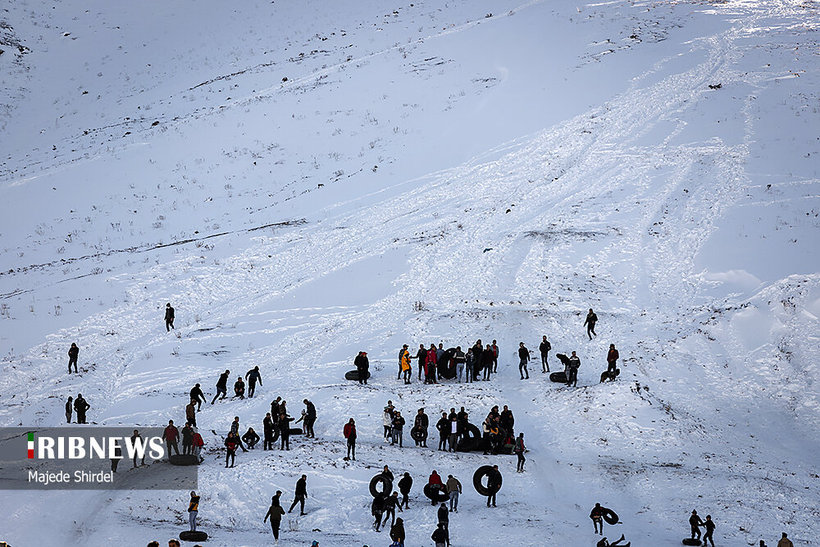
(171,436)
(198,444)
(435,479)
(612,358)
(231,444)
(430,365)
(350,435)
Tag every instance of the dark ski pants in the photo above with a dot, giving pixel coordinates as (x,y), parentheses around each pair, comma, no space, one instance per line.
(598,524)
(378,515)
(591,330)
(572,377)
(72,361)
(309,427)
(491,498)
(351,450)
(707,537)
(522,369)
(169,324)
(230,456)
(219,390)
(611,366)
(404,500)
(285,444)
(545,367)
(251,389)
(268,443)
(521,460)
(170,445)
(391,514)
(695,532)
(274,526)
(442,442)
(301,501)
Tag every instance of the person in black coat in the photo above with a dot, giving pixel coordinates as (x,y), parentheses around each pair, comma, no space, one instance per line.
(363,366)
(310,418)
(444,521)
(493,484)
(250,437)
(397,532)
(198,397)
(253,376)
(421,423)
(81,406)
(222,385)
(169,317)
(284,431)
(524,358)
(589,322)
(300,495)
(405,484)
(421,355)
(377,509)
(267,430)
(73,354)
(544,348)
(69,408)
(443,426)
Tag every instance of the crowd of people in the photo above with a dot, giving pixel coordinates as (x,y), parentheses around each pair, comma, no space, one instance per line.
(434,364)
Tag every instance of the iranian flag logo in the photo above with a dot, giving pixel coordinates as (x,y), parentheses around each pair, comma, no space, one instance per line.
(31,446)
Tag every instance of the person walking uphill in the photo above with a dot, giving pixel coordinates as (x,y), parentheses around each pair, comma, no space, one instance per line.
(362,366)
(519,451)
(198,397)
(405,484)
(785,541)
(397,533)
(454,489)
(440,536)
(709,524)
(493,484)
(169,317)
(597,516)
(275,512)
(193,510)
(589,322)
(310,418)
(444,521)
(350,435)
(524,356)
(73,354)
(300,495)
(253,376)
(222,385)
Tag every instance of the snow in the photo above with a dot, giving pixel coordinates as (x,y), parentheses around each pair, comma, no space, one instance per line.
(306,180)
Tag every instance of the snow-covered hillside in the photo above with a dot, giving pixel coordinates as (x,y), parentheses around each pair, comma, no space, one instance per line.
(304,180)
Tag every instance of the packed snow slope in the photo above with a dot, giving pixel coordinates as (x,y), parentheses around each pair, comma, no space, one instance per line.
(304,180)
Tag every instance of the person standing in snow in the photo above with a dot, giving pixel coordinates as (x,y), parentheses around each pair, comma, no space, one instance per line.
(589,322)
(387,420)
(169,317)
(198,397)
(493,484)
(444,521)
(193,510)
(187,439)
(350,435)
(232,442)
(454,490)
(544,348)
(397,428)
(267,430)
(391,502)
(695,523)
(612,358)
(494,347)
(310,419)
(452,437)
(709,524)
(275,512)
(421,355)
(487,359)
(222,385)
(284,429)
(198,444)
(300,495)
(171,436)
(469,366)
(430,365)
(190,413)
(405,366)
(524,358)
(81,406)
(362,365)
(73,354)
(420,424)
(253,376)
(460,360)
(519,451)
(136,438)
(573,364)
(443,426)
(405,484)
(69,409)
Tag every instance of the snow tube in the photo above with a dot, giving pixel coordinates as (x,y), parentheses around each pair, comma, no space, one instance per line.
(471,441)
(418,434)
(446,367)
(480,473)
(690,541)
(436,493)
(387,485)
(183,459)
(559,377)
(295,431)
(354,375)
(610,516)
(187,535)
